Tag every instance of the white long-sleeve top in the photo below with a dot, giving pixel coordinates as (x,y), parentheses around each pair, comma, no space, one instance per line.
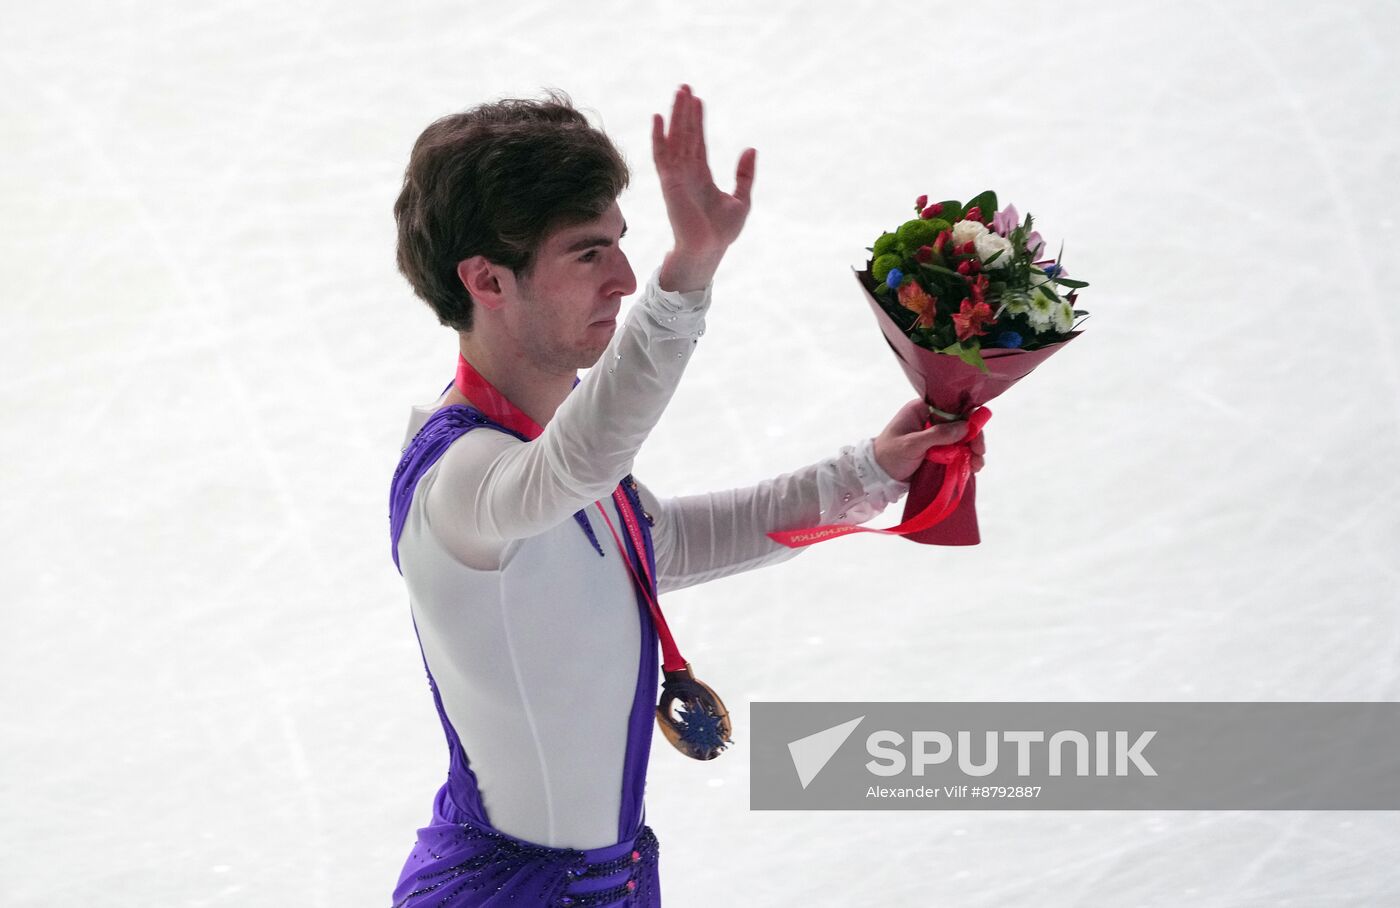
(531,637)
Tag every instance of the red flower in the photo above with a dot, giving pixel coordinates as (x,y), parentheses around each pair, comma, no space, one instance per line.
(968,266)
(914,298)
(973,214)
(971,318)
(921,201)
(937,208)
(923,254)
(939,240)
(979,288)
(929,212)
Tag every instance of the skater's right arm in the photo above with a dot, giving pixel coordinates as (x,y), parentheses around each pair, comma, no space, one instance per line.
(489,487)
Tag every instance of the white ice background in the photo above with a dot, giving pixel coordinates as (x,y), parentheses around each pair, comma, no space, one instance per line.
(212,694)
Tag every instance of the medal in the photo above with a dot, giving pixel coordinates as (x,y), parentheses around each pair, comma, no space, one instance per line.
(702,730)
(691,715)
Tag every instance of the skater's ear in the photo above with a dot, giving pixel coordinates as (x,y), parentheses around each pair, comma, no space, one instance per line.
(486,282)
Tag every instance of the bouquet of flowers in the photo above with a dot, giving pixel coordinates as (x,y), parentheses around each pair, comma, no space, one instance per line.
(970,308)
(955,285)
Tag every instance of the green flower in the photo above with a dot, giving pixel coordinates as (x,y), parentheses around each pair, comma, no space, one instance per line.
(913,234)
(882,266)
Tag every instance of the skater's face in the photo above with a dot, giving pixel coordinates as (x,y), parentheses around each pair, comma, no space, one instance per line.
(565,313)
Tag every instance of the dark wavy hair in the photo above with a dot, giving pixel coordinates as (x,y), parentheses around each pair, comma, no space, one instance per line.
(496,181)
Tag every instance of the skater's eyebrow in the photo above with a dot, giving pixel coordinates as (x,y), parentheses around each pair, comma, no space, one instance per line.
(589,241)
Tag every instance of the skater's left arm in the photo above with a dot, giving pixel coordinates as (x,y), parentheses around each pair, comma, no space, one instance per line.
(704,537)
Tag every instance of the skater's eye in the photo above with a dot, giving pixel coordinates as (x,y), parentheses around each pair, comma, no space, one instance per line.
(588,242)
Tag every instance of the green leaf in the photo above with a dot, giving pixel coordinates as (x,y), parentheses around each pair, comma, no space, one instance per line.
(939,269)
(970,355)
(924,337)
(952,210)
(987,201)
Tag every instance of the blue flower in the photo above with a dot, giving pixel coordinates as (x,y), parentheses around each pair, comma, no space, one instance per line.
(1008,339)
(1051,270)
(893,278)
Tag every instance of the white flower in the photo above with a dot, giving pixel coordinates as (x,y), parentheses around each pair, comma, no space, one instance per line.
(1041,313)
(1038,277)
(1063,316)
(989,244)
(1015,302)
(967,230)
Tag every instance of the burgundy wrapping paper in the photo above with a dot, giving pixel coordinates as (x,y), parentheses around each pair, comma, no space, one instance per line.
(953,386)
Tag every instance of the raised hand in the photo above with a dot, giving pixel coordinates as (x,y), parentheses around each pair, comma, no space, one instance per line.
(704,219)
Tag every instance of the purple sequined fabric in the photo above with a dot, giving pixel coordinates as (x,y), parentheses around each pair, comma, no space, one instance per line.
(460,860)
(468,865)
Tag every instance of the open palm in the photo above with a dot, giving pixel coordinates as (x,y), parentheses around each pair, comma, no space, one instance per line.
(704,218)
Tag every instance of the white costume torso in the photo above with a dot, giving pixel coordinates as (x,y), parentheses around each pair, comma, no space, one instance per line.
(531,637)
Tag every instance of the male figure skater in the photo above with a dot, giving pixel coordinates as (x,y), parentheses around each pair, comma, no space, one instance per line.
(528,586)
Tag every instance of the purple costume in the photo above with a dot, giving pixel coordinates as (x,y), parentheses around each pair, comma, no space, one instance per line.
(460,860)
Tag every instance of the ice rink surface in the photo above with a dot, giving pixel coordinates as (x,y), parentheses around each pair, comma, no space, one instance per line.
(212,691)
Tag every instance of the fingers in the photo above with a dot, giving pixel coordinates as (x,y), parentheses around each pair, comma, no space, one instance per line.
(697,127)
(686,135)
(665,148)
(686,140)
(678,113)
(948,433)
(951,432)
(908,419)
(685,123)
(743,175)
